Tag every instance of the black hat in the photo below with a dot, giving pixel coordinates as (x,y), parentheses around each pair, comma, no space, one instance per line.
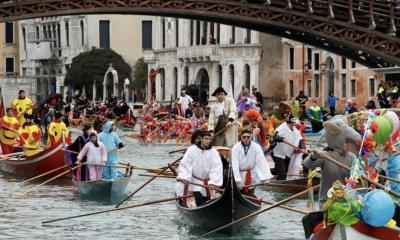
(205,133)
(219,90)
(57,115)
(290,118)
(28,116)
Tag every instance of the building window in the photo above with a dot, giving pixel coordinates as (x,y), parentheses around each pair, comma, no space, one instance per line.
(212,33)
(247,40)
(191,32)
(344,85)
(372,87)
(147,34)
(247,76)
(9,65)
(232,78)
(59,35)
(24,72)
(219,76)
(291,58)
(316,61)
(162,78)
(186,73)
(37,33)
(163,33)
(67,33)
(104,33)
(9,32)
(233,35)
(198,32)
(24,38)
(353,64)
(352,88)
(309,88)
(317,84)
(344,63)
(177,32)
(175,82)
(204,34)
(218,33)
(44,32)
(309,58)
(82,34)
(291,88)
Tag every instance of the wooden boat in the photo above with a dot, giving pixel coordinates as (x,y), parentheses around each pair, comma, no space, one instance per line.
(48,159)
(230,206)
(290,186)
(356,231)
(103,189)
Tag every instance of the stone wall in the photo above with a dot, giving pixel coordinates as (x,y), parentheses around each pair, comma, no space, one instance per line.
(10,87)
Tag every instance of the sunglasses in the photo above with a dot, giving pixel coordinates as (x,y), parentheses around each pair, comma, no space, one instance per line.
(246,136)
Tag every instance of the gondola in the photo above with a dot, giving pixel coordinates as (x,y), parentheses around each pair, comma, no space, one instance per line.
(230,206)
(46,160)
(103,189)
(290,186)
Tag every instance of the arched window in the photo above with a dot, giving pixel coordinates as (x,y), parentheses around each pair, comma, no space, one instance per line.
(163,32)
(232,78)
(204,33)
(67,32)
(248,36)
(59,35)
(162,77)
(247,76)
(219,76)
(186,72)
(198,32)
(44,32)
(24,37)
(82,34)
(177,32)
(233,35)
(175,83)
(37,33)
(191,32)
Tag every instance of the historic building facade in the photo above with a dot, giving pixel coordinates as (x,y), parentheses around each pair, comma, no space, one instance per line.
(204,55)
(49,44)
(318,72)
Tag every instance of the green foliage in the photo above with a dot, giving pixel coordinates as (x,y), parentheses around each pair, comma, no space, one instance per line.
(92,65)
(140,74)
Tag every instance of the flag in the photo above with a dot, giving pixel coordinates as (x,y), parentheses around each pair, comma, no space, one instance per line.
(2,105)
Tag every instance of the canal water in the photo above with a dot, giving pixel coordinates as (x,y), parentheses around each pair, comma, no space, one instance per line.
(21,216)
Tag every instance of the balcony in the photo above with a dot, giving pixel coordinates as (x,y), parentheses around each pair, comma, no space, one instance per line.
(199,53)
(149,56)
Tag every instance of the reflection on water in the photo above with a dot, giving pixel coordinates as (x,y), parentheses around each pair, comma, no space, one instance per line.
(21,216)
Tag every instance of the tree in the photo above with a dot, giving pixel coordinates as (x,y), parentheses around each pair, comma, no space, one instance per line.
(91,66)
(140,75)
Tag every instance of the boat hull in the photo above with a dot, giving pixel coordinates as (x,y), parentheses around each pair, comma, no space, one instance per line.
(42,162)
(356,232)
(229,207)
(102,189)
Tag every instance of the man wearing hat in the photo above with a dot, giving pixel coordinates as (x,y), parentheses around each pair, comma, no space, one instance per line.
(56,130)
(223,114)
(30,136)
(201,164)
(283,154)
(185,101)
(248,162)
(8,132)
(22,105)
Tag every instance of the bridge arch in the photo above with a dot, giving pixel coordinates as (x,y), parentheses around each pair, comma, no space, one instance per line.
(364,31)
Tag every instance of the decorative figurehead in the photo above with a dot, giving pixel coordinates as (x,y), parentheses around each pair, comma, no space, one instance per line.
(338,133)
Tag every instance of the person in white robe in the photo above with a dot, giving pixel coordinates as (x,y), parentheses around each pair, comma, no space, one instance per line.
(96,156)
(283,154)
(248,163)
(201,164)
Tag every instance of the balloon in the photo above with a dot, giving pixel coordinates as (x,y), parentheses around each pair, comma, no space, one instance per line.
(384,130)
(389,119)
(377,208)
(395,119)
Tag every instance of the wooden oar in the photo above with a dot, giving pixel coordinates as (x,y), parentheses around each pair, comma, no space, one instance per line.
(146,183)
(271,203)
(44,174)
(277,204)
(334,161)
(51,179)
(179,150)
(117,209)
(156,176)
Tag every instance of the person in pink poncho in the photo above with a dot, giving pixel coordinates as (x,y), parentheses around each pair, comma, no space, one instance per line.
(96,154)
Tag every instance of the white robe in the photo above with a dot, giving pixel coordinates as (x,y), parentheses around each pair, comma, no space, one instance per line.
(201,164)
(253,160)
(283,150)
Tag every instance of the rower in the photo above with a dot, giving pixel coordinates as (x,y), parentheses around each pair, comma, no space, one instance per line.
(111,140)
(283,153)
(248,163)
(9,131)
(22,105)
(201,164)
(56,129)
(30,136)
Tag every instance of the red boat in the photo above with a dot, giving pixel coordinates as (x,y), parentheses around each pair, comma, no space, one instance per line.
(48,159)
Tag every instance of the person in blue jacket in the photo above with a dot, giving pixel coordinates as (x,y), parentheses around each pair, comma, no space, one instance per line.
(111,141)
(332,103)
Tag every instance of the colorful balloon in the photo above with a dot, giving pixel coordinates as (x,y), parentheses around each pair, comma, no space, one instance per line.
(395,120)
(384,130)
(377,208)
